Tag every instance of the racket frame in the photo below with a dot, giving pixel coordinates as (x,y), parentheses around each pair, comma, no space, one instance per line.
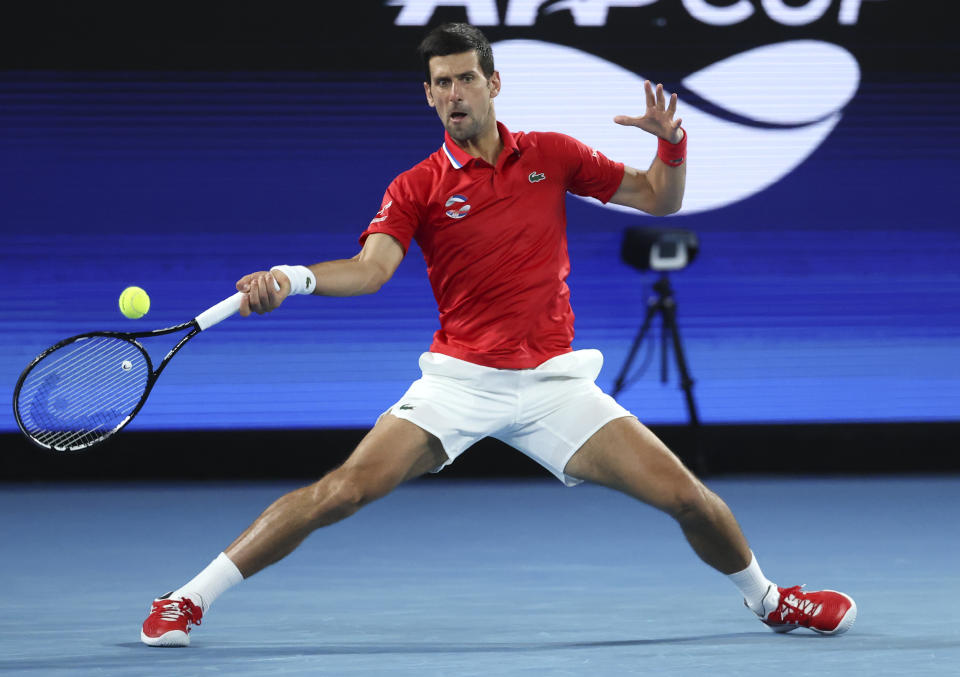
(129,337)
(211,316)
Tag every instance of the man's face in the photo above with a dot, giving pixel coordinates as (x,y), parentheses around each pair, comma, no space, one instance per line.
(462,95)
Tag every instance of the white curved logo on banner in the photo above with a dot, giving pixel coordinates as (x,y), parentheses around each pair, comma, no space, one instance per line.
(779,102)
(597,12)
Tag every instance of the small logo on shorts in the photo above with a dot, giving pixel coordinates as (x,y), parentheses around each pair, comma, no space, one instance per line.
(406,406)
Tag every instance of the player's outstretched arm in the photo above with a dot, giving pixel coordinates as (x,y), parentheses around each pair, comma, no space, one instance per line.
(659,190)
(365,273)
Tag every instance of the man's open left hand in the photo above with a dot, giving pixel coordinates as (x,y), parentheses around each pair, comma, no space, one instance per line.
(658,120)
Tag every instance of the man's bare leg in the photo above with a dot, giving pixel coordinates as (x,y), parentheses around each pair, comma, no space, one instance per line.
(626,456)
(393,452)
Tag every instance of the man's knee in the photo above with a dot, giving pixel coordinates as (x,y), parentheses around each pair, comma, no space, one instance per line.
(345,490)
(690,500)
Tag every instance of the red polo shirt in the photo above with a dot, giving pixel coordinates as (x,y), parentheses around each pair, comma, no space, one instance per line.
(494,239)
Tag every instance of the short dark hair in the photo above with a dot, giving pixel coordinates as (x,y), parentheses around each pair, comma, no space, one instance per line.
(456,38)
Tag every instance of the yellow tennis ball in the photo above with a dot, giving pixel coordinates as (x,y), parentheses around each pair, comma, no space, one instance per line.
(134,302)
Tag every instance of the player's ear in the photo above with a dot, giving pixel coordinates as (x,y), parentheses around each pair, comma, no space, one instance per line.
(426,90)
(494,84)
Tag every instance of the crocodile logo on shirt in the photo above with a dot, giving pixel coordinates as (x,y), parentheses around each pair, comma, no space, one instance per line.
(536,176)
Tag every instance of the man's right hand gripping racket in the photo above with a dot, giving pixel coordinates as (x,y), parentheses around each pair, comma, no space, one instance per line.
(82,390)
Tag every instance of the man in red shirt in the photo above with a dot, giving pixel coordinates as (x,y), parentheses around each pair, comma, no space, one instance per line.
(488,211)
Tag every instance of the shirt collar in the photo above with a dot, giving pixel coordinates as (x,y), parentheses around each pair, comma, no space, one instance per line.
(459,158)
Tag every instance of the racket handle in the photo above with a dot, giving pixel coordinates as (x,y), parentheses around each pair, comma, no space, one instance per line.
(218,313)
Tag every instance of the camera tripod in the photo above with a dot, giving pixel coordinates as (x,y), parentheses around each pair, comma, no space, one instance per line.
(664,305)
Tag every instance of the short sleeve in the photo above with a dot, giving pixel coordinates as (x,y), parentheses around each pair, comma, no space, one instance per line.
(398,215)
(591,173)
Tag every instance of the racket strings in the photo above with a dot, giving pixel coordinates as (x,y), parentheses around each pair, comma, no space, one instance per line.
(86,370)
(82,391)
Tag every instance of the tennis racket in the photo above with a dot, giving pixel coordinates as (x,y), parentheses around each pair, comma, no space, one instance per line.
(82,390)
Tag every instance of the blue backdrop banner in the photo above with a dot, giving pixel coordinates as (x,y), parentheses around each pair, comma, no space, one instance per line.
(823,163)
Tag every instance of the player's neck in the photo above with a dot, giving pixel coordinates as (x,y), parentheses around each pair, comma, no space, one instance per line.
(486,146)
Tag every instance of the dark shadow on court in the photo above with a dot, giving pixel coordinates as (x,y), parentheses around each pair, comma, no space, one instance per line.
(231,653)
(432,648)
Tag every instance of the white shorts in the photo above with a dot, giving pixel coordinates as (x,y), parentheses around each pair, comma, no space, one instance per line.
(547,412)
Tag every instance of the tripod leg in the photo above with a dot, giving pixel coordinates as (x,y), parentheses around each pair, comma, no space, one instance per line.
(686,382)
(664,346)
(653,306)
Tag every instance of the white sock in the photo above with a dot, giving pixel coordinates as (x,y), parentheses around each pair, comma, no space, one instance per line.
(754,586)
(219,576)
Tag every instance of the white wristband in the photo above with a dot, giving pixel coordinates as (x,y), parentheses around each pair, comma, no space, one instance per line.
(302,280)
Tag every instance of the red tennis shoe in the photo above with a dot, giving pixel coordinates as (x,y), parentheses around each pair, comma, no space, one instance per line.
(825,611)
(169,622)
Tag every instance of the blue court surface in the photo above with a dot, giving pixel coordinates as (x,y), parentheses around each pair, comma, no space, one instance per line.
(455,577)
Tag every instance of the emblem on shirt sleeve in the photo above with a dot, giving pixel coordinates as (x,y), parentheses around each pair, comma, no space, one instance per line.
(460,211)
(382,214)
(536,176)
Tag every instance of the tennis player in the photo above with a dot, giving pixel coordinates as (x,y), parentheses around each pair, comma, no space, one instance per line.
(487,209)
